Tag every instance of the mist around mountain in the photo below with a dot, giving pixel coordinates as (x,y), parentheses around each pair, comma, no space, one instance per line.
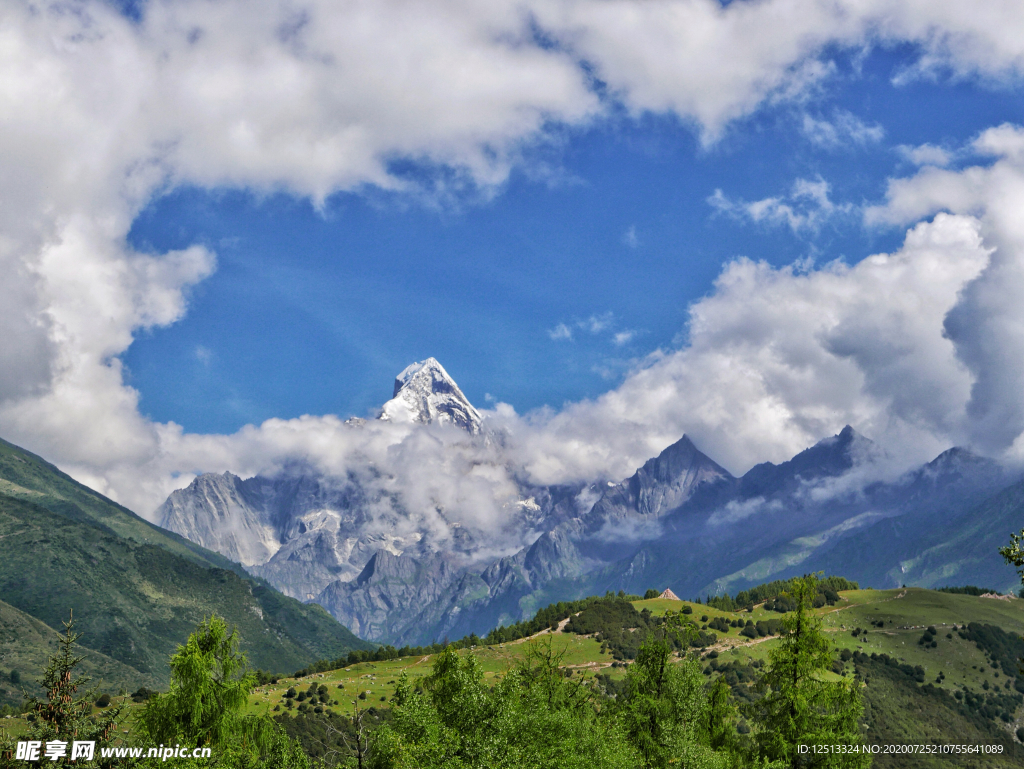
(455,538)
(136,590)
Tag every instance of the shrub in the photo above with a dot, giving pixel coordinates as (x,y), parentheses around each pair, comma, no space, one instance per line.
(143,694)
(103,701)
(651,593)
(687,609)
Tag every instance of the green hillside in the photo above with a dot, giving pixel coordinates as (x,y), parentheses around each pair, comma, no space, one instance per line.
(978,534)
(26,644)
(904,701)
(30,478)
(923,680)
(137,591)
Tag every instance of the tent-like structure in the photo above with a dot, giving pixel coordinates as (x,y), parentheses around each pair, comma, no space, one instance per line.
(667,593)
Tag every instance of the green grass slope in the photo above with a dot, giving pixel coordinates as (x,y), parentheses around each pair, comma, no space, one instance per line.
(26,645)
(910,689)
(948,560)
(137,591)
(30,478)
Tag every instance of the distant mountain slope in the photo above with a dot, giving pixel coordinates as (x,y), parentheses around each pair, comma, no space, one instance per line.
(137,591)
(680,521)
(27,643)
(812,513)
(23,475)
(950,531)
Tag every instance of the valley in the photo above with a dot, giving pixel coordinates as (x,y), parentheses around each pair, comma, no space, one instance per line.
(397,567)
(876,634)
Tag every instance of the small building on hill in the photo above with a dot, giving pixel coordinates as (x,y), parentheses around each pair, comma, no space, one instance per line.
(667,593)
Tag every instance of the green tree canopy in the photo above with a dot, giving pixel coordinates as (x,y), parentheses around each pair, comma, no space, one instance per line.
(210,685)
(533,717)
(801,705)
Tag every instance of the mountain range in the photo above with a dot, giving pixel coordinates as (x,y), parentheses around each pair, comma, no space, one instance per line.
(681,521)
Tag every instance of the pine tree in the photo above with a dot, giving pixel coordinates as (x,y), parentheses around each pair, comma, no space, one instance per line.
(670,716)
(800,705)
(63,715)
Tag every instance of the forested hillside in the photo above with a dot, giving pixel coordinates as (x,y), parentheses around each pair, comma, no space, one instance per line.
(136,591)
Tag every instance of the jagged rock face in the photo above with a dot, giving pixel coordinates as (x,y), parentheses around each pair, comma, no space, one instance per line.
(662,484)
(424,393)
(680,521)
(830,457)
(225,514)
(303,531)
(397,598)
(298,532)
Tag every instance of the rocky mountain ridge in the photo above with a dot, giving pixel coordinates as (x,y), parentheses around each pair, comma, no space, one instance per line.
(680,521)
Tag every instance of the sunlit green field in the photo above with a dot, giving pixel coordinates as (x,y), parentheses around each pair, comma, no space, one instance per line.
(905,613)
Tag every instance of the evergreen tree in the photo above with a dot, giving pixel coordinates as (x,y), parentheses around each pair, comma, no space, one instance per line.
(64,715)
(669,715)
(800,706)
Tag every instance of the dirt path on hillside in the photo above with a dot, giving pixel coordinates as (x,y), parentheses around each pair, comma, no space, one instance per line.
(545,631)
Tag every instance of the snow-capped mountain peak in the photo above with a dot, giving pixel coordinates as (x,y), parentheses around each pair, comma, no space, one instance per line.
(425,393)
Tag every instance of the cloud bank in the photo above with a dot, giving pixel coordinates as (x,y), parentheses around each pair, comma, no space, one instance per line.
(920,347)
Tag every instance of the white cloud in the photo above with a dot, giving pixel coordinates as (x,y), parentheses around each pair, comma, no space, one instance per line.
(102,113)
(986,324)
(844,129)
(778,358)
(560,332)
(594,325)
(806,207)
(630,239)
(925,155)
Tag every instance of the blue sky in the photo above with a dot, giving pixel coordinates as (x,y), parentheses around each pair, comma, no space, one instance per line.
(314,311)
(614,222)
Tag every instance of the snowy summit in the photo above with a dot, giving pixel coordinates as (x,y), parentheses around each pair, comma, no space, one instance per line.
(425,393)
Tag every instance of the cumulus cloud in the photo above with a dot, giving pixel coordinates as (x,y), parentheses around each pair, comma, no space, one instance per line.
(101,113)
(985,326)
(806,207)
(778,358)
